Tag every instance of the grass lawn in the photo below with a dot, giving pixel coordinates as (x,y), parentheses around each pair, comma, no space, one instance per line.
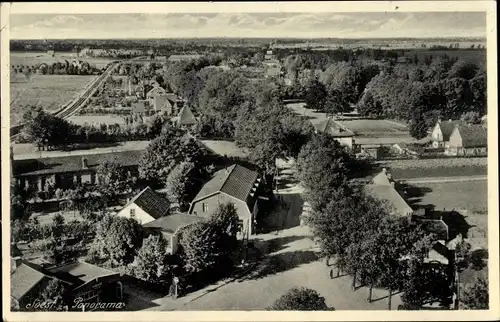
(97,119)
(49,91)
(37,58)
(471,195)
(69,216)
(368,126)
(227,148)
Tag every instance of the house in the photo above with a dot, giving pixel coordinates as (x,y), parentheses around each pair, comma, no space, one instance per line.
(440,133)
(86,285)
(334,129)
(155,91)
(371,151)
(69,171)
(403,148)
(468,140)
(269,55)
(386,189)
(145,207)
(235,184)
(185,117)
(170,227)
(168,103)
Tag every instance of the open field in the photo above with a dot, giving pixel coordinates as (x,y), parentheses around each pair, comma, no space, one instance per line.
(361,127)
(37,58)
(476,56)
(471,195)
(24,151)
(49,91)
(226,148)
(97,119)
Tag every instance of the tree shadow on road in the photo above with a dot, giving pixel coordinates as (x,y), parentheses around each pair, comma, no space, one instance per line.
(269,246)
(282,262)
(286,214)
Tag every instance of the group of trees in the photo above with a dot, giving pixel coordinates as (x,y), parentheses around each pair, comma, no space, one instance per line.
(48,131)
(58,68)
(352,227)
(418,95)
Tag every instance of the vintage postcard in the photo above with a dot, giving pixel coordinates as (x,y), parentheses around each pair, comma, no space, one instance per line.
(249,161)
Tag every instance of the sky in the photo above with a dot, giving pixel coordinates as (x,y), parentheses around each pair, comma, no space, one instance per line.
(300,25)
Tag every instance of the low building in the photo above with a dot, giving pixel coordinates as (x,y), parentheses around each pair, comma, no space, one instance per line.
(468,140)
(185,117)
(155,91)
(338,132)
(404,149)
(70,171)
(170,227)
(273,72)
(385,188)
(168,103)
(145,207)
(440,133)
(235,184)
(86,285)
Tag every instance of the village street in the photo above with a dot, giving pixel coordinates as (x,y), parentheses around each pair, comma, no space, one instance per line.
(290,259)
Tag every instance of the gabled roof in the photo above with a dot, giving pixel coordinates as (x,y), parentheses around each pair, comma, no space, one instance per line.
(172,223)
(25,278)
(474,135)
(185,116)
(73,162)
(151,202)
(391,196)
(382,179)
(332,128)
(78,273)
(236,181)
(156,91)
(447,127)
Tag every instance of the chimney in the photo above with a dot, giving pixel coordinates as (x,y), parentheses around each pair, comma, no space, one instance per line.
(84,163)
(384,170)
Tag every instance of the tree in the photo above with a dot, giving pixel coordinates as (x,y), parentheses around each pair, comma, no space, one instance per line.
(207,246)
(323,165)
(150,263)
(116,240)
(315,95)
(54,293)
(300,299)
(181,183)
(111,178)
(172,147)
(476,296)
(336,102)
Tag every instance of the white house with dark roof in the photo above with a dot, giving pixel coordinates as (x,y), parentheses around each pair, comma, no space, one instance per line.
(145,207)
(155,91)
(440,133)
(235,184)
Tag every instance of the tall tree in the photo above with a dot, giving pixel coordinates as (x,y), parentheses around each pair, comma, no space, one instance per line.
(315,94)
(151,262)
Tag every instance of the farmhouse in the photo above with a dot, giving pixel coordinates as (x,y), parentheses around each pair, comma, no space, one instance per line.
(84,281)
(154,92)
(335,130)
(440,133)
(69,171)
(185,117)
(170,227)
(468,140)
(168,103)
(235,184)
(145,207)
(385,188)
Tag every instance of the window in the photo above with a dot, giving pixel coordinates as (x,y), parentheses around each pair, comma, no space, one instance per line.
(205,207)
(132,213)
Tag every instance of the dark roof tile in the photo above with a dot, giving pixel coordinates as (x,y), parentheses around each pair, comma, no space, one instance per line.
(473,135)
(152,203)
(173,222)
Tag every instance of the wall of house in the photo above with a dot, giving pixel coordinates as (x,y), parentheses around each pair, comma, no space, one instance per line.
(213,203)
(347,141)
(455,139)
(140,215)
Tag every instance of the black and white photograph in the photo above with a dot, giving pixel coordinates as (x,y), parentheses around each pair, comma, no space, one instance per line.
(249,157)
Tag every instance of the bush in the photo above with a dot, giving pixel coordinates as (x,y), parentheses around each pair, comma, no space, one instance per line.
(300,299)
